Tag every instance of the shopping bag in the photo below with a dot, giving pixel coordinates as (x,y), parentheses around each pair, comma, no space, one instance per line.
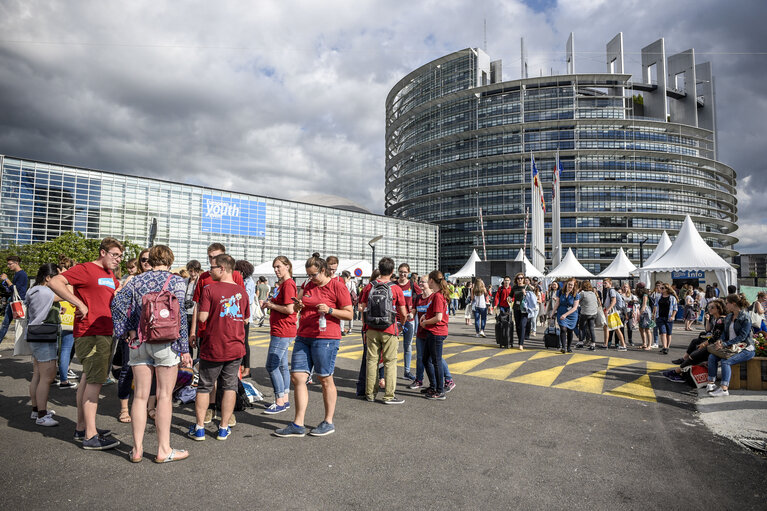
(17,306)
(21,346)
(614,321)
(601,320)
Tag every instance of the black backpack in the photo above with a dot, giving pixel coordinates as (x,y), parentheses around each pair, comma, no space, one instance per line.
(379,313)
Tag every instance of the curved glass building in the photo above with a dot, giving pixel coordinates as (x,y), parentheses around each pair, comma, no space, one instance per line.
(637,155)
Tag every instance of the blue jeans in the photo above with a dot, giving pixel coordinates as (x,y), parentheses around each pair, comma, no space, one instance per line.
(65,356)
(727,363)
(277,365)
(433,360)
(665,326)
(480,319)
(6,321)
(408,328)
(419,367)
(655,334)
(453,305)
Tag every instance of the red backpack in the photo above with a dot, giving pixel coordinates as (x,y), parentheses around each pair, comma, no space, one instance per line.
(160,316)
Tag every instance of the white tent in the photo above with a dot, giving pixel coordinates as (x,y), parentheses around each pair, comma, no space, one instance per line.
(620,268)
(467,270)
(663,245)
(569,267)
(359,268)
(351,265)
(530,270)
(689,252)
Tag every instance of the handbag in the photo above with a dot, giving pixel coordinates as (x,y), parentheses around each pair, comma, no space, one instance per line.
(17,306)
(614,321)
(723,353)
(601,320)
(756,318)
(21,346)
(48,330)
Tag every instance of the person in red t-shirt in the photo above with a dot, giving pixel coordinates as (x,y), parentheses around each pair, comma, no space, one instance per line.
(409,291)
(323,303)
(501,300)
(435,324)
(282,323)
(94,286)
(224,305)
(385,340)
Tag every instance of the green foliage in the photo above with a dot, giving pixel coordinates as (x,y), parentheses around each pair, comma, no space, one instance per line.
(638,99)
(71,244)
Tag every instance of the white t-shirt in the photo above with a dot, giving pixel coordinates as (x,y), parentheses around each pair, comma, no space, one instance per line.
(479,302)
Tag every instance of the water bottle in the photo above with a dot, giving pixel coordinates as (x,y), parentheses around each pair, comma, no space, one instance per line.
(323,322)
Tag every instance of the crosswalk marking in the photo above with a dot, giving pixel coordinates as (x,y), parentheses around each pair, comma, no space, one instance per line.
(640,389)
(498,373)
(468,365)
(544,354)
(540,378)
(591,383)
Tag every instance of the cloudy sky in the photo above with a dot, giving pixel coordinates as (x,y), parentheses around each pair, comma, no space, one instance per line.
(286,98)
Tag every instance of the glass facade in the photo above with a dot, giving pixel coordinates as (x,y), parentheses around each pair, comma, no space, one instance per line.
(459,145)
(40,201)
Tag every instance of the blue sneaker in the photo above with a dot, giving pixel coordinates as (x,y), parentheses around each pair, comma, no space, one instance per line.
(275,408)
(291,429)
(287,405)
(223,433)
(196,433)
(324,428)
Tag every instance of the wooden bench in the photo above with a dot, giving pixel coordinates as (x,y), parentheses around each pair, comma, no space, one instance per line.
(753,375)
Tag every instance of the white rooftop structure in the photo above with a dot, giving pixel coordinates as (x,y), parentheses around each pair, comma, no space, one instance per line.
(663,245)
(530,269)
(620,268)
(569,267)
(467,270)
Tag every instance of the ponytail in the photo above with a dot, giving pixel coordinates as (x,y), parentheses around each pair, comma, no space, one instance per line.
(437,277)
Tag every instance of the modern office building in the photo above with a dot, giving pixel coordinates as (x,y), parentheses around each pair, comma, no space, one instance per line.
(638,154)
(40,201)
(752,265)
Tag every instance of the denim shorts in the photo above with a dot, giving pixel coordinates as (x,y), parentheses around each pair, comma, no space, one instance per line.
(44,351)
(664,326)
(318,353)
(153,355)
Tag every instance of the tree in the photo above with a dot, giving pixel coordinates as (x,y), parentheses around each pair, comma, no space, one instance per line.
(71,244)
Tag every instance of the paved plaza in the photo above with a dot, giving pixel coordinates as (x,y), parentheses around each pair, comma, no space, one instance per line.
(530,429)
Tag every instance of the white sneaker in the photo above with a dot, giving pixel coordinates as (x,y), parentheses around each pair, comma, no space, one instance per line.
(482,333)
(34,415)
(71,375)
(719,392)
(655,345)
(476,335)
(710,387)
(47,421)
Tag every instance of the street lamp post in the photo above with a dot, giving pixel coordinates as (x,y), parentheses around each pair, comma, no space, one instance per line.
(372,244)
(641,251)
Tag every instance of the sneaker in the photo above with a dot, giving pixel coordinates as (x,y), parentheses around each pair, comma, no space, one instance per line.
(592,348)
(274,409)
(719,392)
(654,345)
(435,395)
(71,375)
(34,415)
(449,385)
(100,443)
(309,381)
(664,351)
(579,346)
(208,416)
(602,347)
(232,421)
(427,390)
(196,433)
(291,430)
(677,361)
(47,420)
(482,333)
(223,433)
(622,348)
(672,375)
(417,384)
(287,405)
(394,401)
(110,381)
(67,385)
(80,435)
(710,387)
(409,376)
(476,335)
(324,428)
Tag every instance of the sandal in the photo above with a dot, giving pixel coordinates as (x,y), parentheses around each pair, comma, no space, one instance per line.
(136,459)
(175,455)
(124,416)
(152,413)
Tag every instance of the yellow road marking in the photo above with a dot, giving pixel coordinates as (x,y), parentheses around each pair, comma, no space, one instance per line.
(640,389)
(540,378)
(497,373)
(468,365)
(591,383)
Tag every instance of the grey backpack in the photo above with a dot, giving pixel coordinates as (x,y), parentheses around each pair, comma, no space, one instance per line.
(379,313)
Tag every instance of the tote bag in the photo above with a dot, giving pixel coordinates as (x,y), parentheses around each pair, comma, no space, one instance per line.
(21,346)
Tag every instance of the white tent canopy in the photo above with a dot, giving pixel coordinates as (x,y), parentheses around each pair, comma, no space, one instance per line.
(351,265)
(690,252)
(569,267)
(663,245)
(467,270)
(363,267)
(530,270)
(620,268)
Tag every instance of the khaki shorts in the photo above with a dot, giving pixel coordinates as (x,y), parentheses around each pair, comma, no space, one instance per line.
(94,353)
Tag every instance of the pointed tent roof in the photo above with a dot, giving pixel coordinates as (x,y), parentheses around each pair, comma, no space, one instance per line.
(530,270)
(663,245)
(689,251)
(620,268)
(467,270)
(569,267)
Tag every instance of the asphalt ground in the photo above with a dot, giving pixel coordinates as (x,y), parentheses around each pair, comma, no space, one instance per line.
(556,432)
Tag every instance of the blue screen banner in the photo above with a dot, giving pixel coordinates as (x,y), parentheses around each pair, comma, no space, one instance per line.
(225,215)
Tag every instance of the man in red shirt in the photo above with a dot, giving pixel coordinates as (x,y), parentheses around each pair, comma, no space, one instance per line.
(384,340)
(502,295)
(409,291)
(94,286)
(197,332)
(224,305)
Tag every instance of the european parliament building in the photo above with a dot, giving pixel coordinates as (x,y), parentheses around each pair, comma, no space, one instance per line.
(40,201)
(638,154)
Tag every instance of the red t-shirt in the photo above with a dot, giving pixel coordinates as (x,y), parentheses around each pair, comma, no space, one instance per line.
(204,281)
(399,301)
(502,297)
(95,286)
(421,304)
(333,294)
(409,293)
(228,308)
(437,303)
(283,325)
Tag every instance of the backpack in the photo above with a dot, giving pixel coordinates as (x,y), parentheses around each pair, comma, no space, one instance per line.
(160,320)
(380,313)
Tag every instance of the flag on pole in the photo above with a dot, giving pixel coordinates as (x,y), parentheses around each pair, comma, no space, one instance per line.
(537,185)
(537,246)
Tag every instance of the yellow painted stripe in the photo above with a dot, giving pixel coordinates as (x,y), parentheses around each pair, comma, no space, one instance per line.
(544,354)
(468,365)
(582,358)
(620,362)
(640,389)
(591,383)
(479,348)
(654,367)
(539,378)
(497,373)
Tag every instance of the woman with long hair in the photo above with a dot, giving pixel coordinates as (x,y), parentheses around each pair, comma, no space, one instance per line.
(566,303)
(323,302)
(518,305)
(645,306)
(665,312)
(282,331)
(737,338)
(435,324)
(697,351)
(479,302)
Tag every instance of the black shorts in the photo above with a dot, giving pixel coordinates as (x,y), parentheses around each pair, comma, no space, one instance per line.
(227,374)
